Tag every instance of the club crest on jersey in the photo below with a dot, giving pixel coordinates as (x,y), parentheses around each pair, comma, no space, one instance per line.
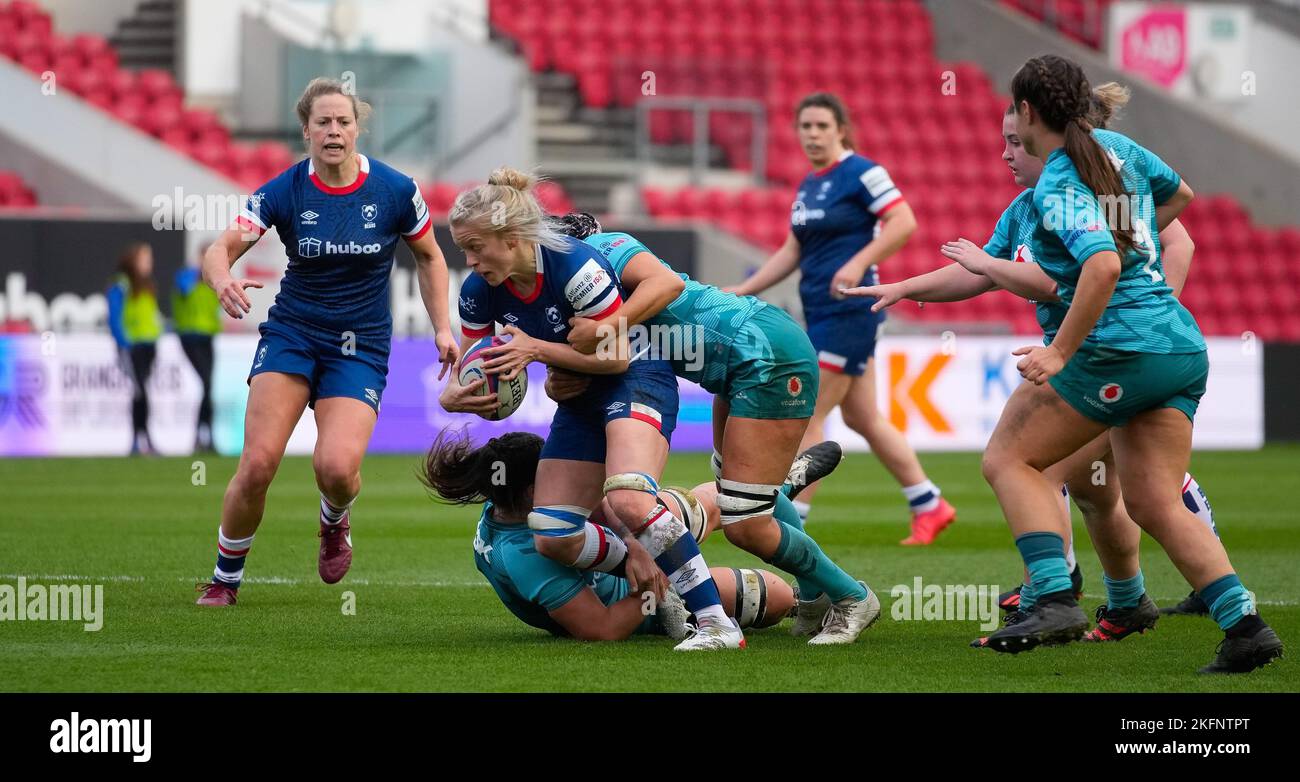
(826,187)
(255,202)
(553,317)
(1111,392)
(469,305)
(309,247)
(794,386)
(368,211)
(309,217)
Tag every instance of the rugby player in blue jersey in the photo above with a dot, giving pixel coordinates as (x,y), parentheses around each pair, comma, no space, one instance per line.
(847,218)
(326,339)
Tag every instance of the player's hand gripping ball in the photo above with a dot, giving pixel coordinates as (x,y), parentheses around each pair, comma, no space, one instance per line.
(510,393)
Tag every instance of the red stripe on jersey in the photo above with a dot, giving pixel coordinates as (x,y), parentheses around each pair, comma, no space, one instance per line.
(346,189)
(249,225)
(831,367)
(530,298)
(427,225)
(476,333)
(649,420)
(610,310)
(891,205)
(1189,483)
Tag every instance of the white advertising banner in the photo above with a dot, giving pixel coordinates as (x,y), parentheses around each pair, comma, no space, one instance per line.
(947,394)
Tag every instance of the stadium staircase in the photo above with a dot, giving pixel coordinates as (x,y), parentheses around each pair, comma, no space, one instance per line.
(147,39)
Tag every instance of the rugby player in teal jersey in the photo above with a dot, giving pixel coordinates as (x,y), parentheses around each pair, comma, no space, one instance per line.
(1115,537)
(1127,355)
(763,373)
(591,605)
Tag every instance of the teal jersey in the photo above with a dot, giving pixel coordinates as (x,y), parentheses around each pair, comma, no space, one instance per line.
(1012,240)
(703,319)
(1143,316)
(528,583)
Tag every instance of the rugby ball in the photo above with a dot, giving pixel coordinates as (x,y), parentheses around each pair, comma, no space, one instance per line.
(510,393)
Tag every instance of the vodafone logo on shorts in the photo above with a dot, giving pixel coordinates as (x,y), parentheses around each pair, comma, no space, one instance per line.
(794,386)
(1111,392)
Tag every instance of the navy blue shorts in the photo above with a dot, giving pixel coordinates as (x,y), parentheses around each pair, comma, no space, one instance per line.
(353,369)
(845,342)
(578,429)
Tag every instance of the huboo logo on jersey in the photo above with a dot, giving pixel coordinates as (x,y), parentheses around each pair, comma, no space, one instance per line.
(368,212)
(310,247)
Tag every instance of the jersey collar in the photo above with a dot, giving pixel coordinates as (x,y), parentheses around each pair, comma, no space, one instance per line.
(362,173)
(537,286)
(823,172)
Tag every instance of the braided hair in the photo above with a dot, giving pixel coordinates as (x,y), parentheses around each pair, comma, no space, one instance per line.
(502,470)
(579,225)
(1059,92)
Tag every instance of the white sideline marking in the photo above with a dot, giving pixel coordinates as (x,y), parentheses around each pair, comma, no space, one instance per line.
(67,577)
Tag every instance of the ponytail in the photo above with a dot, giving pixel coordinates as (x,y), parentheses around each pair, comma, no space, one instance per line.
(502,471)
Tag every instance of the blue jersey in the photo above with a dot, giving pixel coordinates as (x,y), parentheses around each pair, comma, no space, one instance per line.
(340,243)
(529,584)
(835,215)
(1012,240)
(575,282)
(700,314)
(1073,225)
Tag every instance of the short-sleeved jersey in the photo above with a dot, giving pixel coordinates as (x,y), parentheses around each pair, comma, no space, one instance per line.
(835,214)
(1143,316)
(1012,240)
(574,282)
(340,243)
(698,328)
(529,584)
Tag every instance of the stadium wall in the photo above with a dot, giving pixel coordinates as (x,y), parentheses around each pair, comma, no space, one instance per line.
(1196,140)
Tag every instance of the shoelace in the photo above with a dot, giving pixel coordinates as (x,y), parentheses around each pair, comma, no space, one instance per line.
(208,587)
(835,620)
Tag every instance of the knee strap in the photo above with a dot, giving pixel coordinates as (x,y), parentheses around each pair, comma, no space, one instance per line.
(632,481)
(558,521)
(739,501)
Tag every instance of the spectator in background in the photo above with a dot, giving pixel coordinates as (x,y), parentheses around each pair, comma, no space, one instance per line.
(196,314)
(136,323)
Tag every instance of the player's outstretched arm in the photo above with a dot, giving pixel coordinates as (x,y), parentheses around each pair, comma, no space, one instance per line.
(217,261)
(780,265)
(1026,280)
(951,283)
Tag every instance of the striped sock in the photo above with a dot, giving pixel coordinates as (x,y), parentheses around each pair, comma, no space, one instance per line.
(923,497)
(231,553)
(331,515)
(677,554)
(1124,592)
(1228,600)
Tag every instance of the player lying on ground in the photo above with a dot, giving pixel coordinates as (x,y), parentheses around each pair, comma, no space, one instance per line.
(1115,536)
(595,605)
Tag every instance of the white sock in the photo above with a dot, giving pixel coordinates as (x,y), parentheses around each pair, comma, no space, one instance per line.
(923,497)
(330,514)
(1196,501)
(802,508)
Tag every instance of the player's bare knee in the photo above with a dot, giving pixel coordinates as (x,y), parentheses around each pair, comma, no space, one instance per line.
(256,471)
(337,477)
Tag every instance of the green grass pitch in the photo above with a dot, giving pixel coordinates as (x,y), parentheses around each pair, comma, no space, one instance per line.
(426,621)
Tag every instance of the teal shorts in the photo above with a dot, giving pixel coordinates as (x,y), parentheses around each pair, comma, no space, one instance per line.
(771,368)
(1112,386)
